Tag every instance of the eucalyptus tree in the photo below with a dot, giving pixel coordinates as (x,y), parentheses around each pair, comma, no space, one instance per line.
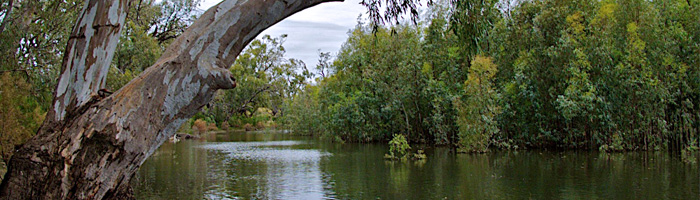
(478,111)
(33,40)
(267,79)
(31,47)
(150,26)
(91,143)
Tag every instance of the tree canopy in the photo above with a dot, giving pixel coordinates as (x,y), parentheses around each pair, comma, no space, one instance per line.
(610,75)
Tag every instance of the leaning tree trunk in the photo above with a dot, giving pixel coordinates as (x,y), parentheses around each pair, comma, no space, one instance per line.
(90,146)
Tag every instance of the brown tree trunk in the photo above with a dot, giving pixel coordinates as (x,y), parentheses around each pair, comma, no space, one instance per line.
(89,147)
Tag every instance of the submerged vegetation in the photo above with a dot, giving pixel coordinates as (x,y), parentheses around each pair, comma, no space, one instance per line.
(398,148)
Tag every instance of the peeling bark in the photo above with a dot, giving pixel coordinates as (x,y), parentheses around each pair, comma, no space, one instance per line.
(89,147)
(90,50)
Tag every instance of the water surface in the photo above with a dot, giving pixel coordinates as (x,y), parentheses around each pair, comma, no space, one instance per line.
(266,165)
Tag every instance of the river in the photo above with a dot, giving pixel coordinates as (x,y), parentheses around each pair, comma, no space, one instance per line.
(269,165)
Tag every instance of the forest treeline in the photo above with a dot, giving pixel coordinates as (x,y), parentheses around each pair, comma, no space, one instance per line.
(611,75)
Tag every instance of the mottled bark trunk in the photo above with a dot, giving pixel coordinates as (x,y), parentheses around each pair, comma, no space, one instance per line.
(89,147)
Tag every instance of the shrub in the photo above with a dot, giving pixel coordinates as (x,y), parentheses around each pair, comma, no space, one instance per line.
(303,114)
(238,123)
(20,115)
(272,124)
(420,155)
(186,127)
(615,145)
(477,113)
(260,125)
(248,127)
(398,148)
(200,125)
(225,126)
(212,127)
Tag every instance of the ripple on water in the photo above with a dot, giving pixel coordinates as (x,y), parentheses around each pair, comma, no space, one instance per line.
(272,151)
(292,171)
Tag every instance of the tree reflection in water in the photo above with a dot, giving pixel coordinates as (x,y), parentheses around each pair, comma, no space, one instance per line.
(280,166)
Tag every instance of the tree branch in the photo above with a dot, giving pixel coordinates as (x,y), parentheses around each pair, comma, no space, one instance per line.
(90,50)
(245,104)
(89,148)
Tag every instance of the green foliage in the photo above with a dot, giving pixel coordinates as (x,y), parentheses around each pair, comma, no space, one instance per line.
(174,17)
(471,22)
(32,44)
(389,80)
(20,114)
(136,51)
(33,40)
(614,146)
(150,26)
(266,79)
(613,75)
(303,114)
(608,74)
(441,122)
(116,78)
(398,148)
(477,112)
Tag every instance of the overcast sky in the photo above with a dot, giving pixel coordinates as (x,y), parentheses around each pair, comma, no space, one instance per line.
(323,27)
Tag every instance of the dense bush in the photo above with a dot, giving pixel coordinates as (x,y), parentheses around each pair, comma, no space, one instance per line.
(398,148)
(20,115)
(200,125)
(612,75)
(478,111)
(615,74)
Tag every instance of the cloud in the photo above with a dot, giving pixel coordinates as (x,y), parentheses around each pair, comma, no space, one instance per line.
(324,27)
(293,25)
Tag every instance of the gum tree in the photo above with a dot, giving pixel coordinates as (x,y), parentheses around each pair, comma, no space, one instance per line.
(91,142)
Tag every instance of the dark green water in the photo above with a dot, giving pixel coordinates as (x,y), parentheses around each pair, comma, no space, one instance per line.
(280,166)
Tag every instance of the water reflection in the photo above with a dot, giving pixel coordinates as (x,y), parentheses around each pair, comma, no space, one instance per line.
(279,170)
(175,168)
(280,166)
